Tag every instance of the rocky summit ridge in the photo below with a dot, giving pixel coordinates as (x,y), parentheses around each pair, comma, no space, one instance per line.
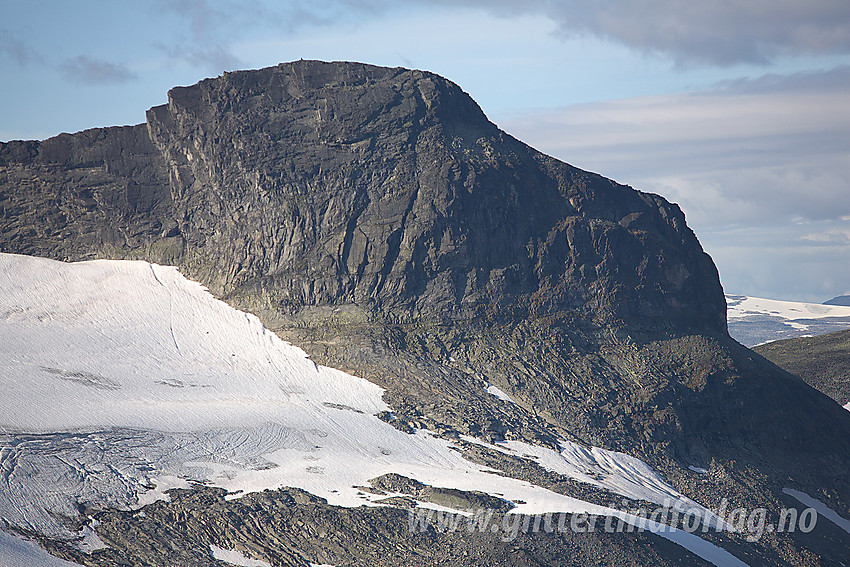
(377,219)
(386,188)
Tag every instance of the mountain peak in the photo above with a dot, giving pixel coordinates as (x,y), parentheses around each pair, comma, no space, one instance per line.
(389,188)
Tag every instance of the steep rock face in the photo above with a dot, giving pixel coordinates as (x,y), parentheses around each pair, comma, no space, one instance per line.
(78,195)
(375,217)
(388,188)
(353,206)
(334,184)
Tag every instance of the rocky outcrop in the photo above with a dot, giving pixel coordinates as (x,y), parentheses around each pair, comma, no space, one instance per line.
(84,195)
(291,528)
(377,219)
(330,184)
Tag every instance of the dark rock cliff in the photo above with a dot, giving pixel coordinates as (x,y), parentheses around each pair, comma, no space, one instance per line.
(386,188)
(377,219)
(75,196)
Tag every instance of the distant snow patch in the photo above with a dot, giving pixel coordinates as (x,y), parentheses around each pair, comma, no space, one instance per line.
(743,306)
(91,541)
(847,407)
(236,557)
(439,508)
(754,321)
(698,470)
(499,393)
(821,508)
(162,485)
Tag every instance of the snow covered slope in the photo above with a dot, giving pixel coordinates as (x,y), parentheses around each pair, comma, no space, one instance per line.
(120,375)
(753,321)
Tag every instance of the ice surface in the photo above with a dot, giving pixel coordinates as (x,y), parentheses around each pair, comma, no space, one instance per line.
(19,552)
(123,374)
(617,472)
(130,344)
(822,509)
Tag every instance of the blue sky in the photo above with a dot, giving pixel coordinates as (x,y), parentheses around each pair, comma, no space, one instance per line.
(739,111)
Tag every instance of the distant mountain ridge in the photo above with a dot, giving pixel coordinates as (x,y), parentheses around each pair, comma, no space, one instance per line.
(839,300)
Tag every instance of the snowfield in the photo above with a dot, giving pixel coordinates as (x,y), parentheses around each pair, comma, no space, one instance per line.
(742,306)
(753,321)
(119,375)
(235,557)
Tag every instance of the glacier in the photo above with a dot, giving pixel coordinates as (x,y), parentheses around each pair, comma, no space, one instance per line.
(123,379)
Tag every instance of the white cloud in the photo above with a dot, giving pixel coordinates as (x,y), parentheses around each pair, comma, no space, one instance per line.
(727,157)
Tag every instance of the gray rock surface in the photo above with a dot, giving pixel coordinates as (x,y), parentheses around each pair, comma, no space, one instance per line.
(293,528)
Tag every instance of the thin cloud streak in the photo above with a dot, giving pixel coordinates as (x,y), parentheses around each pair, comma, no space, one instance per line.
(94,71)
(836,79)
(717,33)
(833,236)
(22,53)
